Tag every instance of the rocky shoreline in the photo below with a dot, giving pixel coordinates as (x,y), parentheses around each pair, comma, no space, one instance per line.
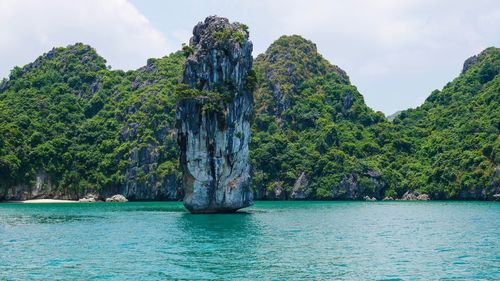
(408,196)
(89,198)
(299,193)
(413,196)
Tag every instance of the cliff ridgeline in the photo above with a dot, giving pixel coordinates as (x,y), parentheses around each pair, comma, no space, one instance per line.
(69,126)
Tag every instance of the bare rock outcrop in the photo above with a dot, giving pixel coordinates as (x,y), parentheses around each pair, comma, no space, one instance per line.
(300,188)
(117,198)
(213,118)
(415,196)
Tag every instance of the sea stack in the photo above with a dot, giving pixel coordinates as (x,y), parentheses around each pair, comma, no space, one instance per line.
(213,115)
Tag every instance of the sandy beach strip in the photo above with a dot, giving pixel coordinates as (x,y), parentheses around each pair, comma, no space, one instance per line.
(43,201)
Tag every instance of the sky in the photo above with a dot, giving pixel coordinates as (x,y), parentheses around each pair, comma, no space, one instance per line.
(395,51)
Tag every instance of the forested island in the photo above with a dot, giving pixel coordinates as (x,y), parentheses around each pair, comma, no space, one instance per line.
(71,126)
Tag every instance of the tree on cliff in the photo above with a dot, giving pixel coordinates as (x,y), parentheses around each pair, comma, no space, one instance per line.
(74,125)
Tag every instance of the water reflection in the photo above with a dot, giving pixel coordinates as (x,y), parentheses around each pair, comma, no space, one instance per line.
(216,243)
(166,209)
(218,226)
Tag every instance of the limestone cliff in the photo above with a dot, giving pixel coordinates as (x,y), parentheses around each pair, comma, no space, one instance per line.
(213,122)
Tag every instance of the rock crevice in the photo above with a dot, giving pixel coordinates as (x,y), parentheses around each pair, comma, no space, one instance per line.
(213,127)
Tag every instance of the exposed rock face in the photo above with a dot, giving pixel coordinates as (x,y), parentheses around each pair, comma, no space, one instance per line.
(409,196)
(468,63)
(117,198)
(276,193)
(41,188)
(423,197)
(414,196)
(144,160)
(213,132)
(89,198)
(496,185)
(348,101)
(351,187)
(300,188)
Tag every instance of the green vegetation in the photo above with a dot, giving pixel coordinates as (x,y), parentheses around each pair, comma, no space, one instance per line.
(451,143)
(70,117)
(212,101)
(230,34)
(187,50)
(87,127)
(243,26)
(310,120)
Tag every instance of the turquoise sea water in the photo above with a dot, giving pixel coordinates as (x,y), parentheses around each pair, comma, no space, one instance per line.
(271,241)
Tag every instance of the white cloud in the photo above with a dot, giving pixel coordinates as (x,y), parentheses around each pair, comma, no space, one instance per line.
(119,32)
(395,51)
